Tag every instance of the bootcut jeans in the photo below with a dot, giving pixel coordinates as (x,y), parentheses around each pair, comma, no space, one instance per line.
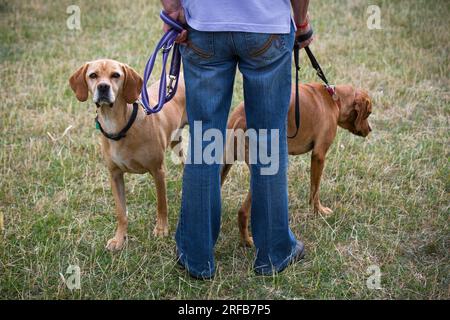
(210,61)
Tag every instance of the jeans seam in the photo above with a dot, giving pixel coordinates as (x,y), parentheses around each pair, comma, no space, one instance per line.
(235,50)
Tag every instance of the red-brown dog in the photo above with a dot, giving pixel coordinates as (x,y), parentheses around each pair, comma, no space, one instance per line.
(320,117)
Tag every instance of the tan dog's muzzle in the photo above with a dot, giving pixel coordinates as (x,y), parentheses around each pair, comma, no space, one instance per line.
(103,95)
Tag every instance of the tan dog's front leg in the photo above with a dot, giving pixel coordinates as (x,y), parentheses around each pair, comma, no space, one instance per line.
(118,189)
(243,219)
(317,165)
(162,223)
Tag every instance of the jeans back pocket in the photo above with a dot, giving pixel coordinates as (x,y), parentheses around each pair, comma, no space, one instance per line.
(265,46)
(199,46)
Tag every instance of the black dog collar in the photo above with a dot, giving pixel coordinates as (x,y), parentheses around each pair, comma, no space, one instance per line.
(122,133)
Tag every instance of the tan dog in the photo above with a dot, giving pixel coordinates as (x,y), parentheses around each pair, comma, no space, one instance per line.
(115,87)
(320,117)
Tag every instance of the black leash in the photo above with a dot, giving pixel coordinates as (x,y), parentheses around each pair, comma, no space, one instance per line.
(122,133)
(297,94)
(316,65)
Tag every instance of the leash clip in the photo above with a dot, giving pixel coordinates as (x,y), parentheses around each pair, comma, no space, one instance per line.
(332,91)
(172,78)
(166,49)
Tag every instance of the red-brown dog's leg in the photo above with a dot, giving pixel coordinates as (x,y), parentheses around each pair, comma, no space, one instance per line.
(118,189)
(317,165)
(243,221)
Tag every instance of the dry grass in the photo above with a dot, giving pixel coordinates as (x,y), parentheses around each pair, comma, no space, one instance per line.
(390,193)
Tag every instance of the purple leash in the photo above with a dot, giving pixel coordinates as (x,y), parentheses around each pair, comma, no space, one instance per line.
(166,44)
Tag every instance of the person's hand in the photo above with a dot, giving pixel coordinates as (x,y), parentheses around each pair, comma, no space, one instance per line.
(303,30)
(177,15)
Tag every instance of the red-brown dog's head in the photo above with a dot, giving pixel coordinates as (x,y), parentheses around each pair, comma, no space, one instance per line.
(356,108)
(106,80)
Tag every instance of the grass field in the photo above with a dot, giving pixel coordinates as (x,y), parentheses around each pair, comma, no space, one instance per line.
(390,192)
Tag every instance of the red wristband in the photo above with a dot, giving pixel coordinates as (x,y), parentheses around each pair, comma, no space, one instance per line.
(304,25)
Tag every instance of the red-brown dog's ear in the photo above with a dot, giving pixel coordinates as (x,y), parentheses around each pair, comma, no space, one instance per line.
(132,85)
(362,106)
(78,83)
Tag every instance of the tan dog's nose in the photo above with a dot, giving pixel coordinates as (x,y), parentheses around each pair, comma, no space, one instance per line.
(103,87)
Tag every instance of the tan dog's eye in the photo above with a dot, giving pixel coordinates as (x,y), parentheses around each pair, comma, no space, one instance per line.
(93,76)
(115,75)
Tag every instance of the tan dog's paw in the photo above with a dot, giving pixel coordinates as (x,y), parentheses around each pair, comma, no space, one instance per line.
(323,210)
(115,244)
(247,242)
(161,231)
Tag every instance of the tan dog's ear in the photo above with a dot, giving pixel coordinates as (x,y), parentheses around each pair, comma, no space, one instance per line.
(78,83)
(132,85)
(362,107)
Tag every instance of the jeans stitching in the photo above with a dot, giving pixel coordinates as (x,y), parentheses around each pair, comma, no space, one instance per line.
(266,46)
(199,52)
(202,53)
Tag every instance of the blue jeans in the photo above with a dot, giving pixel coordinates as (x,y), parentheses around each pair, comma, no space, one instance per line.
(210,62)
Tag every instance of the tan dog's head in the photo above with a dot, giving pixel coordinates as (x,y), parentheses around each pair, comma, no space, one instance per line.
(106,80)
(356,108)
